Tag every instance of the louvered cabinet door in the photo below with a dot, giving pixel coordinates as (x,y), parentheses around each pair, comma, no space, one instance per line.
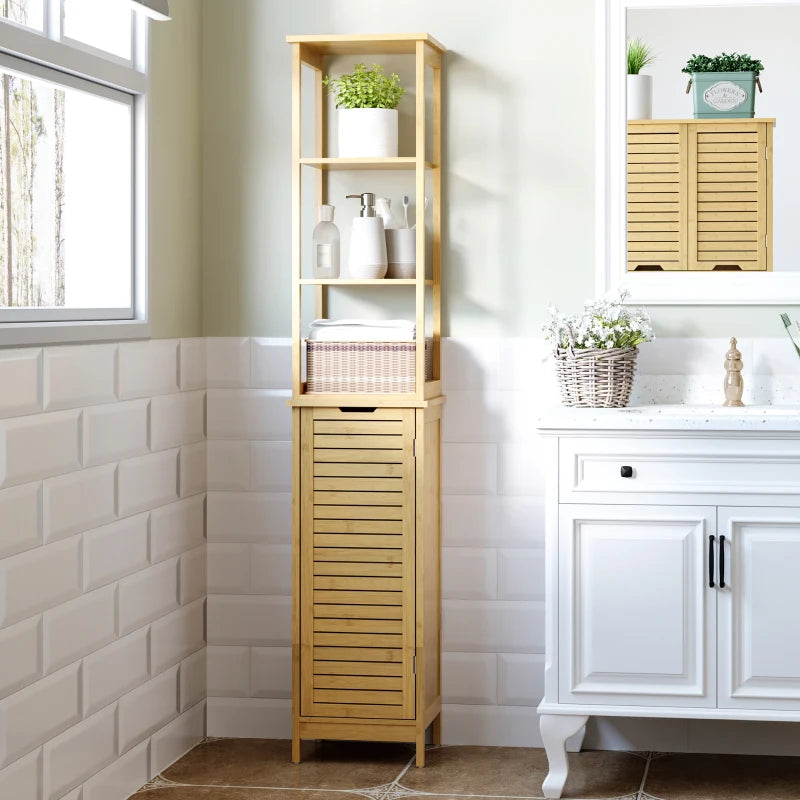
(729,196)
(657,184)
(357,515)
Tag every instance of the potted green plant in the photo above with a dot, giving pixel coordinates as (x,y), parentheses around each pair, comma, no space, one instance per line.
(640,87)
(724,85)
(367,101)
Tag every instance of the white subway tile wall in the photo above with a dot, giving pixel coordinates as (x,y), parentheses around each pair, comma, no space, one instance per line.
(108,590)
(492,514)
(102,566)
(249,535)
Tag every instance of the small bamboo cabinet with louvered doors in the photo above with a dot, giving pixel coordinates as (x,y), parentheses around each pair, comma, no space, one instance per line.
(369,572)
(700,194)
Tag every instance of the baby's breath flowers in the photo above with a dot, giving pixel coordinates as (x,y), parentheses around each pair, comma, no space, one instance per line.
(605,323)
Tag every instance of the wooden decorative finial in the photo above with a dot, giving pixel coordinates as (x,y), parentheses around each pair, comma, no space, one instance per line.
(734,383)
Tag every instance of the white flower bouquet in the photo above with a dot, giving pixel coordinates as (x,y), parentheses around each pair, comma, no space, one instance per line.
(595,352)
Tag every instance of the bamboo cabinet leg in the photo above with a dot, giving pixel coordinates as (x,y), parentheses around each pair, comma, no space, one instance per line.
(295,748)
(436,731)
(420,761)
(556,729)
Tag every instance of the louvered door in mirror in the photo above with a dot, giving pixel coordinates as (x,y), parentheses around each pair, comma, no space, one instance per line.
(657,227)
(357,583)
(730,194)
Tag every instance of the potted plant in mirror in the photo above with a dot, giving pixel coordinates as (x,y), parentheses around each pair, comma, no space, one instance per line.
(640,87)
(724,85)
(367,101)
(595,352)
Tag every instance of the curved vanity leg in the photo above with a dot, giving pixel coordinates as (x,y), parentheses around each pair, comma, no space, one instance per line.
(556,729)
(575,742)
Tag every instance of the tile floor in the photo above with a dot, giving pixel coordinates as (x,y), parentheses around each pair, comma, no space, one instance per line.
(256,769)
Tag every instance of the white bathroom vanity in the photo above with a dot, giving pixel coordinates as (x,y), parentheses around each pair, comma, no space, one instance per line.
(673,558)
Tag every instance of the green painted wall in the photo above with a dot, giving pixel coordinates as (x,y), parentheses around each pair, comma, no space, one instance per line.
(175,173)
(519,150)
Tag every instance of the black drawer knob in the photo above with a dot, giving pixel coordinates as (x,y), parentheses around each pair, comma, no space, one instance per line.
(626,472)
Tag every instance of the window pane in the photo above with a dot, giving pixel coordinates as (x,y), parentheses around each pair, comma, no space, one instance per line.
(26,12)
(65,164)
(104,24)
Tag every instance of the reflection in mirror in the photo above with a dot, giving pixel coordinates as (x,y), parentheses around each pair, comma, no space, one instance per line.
(715,192)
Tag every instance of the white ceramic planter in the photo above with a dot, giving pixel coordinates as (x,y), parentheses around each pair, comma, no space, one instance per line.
(367,132)
(640,96)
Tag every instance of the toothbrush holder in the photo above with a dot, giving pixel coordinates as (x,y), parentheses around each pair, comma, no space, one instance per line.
(401,249)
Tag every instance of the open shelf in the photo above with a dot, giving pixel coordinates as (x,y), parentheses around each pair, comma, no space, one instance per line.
(361,282)
(368,44)
(400,163)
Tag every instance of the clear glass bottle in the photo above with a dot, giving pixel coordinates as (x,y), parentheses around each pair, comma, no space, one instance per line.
(326,245)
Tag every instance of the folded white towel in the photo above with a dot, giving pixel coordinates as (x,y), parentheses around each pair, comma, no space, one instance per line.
(362,330)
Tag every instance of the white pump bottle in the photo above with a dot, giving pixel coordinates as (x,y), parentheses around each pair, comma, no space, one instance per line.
(367,258)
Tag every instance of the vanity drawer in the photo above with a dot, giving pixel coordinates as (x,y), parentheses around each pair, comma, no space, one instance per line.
(590,469)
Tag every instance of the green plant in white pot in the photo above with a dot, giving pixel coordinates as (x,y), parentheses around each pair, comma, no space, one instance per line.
(640,86)
(367,101)
(724,85)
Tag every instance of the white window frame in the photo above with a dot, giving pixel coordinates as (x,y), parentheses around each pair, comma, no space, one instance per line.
(75,64)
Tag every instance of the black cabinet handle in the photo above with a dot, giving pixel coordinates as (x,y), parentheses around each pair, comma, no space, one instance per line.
(626,472)
(721,562)
(711,561)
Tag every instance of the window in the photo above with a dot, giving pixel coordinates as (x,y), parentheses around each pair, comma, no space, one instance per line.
(72,87)
(29,13)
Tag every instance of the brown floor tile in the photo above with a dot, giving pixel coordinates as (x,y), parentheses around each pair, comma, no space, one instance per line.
(225,793)
(266,763)
(724,777)
(518,771)
(199,793)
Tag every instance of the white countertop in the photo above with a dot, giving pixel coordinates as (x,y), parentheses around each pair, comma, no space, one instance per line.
(765,419)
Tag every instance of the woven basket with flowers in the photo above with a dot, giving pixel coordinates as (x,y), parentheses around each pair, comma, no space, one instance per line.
(595,352)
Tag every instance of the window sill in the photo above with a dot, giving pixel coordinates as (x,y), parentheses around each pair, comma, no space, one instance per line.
(43,333)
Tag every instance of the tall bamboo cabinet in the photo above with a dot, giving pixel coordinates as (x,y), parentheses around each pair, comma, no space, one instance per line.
(366,467)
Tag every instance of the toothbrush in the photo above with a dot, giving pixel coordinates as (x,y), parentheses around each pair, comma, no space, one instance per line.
(405,209)
(787,323)
(426,208)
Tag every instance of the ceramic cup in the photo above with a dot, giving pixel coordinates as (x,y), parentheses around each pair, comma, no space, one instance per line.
(401,249)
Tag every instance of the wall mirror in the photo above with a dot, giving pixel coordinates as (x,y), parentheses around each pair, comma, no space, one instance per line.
(699,210)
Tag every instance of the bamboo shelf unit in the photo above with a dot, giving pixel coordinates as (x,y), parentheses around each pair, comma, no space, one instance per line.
(366,529)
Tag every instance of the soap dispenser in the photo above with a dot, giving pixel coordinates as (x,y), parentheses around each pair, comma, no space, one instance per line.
(367,259)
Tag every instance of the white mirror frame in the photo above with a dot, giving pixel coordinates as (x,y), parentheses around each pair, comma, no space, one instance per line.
(663,288)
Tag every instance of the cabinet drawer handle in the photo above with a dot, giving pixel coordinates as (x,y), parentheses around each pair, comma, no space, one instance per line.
(721,562)
(711,561)
(626,472)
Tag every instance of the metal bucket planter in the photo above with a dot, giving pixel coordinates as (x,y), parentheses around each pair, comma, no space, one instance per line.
(724,94)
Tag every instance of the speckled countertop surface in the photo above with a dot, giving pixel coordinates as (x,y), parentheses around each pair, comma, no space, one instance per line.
(762,418)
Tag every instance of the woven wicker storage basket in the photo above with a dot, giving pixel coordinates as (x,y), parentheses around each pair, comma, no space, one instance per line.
(596,378)
(364,367)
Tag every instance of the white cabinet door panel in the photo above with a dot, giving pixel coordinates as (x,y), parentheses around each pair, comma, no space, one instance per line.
(637,619)
(759,609)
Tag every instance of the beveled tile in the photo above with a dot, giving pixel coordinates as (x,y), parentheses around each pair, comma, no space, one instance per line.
(519,772)
(266,763)
(724,777)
